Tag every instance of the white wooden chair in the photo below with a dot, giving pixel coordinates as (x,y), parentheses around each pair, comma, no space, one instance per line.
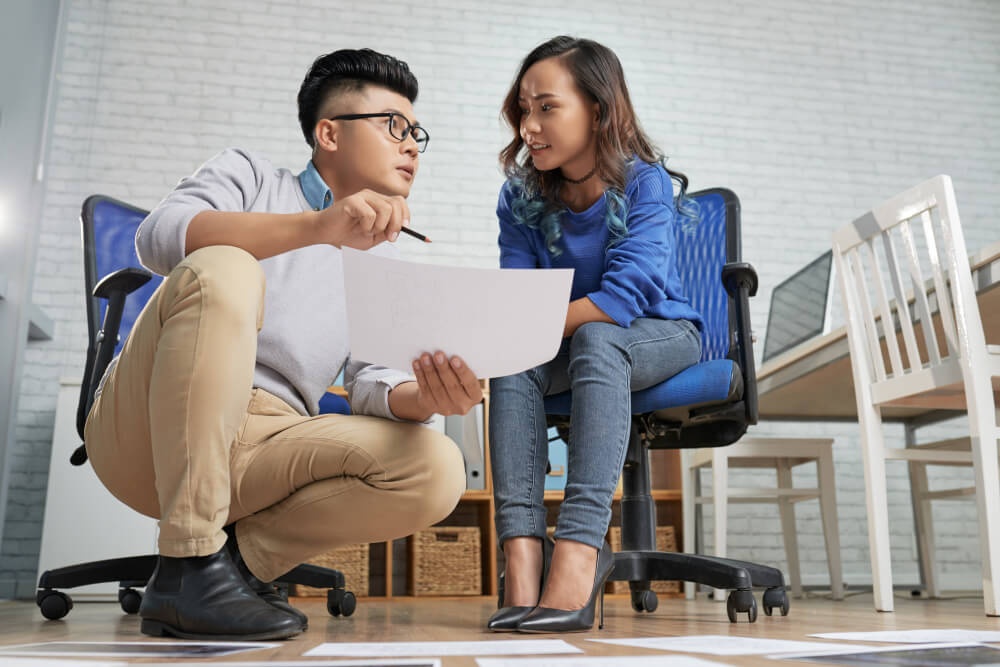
(900,266)
(781,454)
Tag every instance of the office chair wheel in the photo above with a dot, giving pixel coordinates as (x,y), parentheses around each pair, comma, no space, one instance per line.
(740,601)
(775,598)
(339,601)
(644,601)
(129,599)
(53,604)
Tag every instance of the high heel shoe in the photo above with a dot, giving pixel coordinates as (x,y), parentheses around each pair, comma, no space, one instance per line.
(505,619)
(545,619)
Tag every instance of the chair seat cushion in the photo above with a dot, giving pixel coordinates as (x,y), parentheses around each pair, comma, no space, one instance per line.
(706,382)
(333,404)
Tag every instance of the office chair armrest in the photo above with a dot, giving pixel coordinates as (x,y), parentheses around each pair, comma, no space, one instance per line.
(736,275)
(740,280)
(114,288)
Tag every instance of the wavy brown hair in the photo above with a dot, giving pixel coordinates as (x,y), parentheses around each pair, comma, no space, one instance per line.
(599,76)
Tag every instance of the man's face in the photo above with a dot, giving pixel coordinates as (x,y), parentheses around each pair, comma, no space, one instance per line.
(368,155)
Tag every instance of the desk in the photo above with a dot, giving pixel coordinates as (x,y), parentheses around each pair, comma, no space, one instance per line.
(813,381)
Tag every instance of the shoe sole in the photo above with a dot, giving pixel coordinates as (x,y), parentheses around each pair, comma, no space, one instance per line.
(158,629)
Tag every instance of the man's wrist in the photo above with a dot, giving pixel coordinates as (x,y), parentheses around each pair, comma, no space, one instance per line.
(404,402)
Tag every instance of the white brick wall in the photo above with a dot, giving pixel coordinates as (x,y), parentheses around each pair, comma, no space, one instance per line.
(810,111)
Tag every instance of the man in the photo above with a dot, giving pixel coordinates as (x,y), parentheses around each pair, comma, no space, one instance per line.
(207,420)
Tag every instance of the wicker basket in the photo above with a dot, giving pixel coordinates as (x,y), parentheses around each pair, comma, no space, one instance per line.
(445,561)
(665,541)
(351,560)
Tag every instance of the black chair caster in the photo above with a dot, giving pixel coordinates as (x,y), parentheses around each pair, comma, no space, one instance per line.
(775,598)
(53,604)
(340,602)
(740,601)
(644,601)
(129,599)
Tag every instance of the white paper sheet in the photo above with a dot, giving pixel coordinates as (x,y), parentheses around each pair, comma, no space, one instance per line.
(722,645)
(930,636)
(937,654)
(393,649)
(49,662)
(599,661)
(500,321)
(377,662)
(179,648)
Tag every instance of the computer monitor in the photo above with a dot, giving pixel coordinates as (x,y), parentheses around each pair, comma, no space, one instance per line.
(800,307)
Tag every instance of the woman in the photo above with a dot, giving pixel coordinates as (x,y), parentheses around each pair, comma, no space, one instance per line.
(586,190)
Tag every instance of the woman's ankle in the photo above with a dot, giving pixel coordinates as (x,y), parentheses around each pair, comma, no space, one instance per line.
(522,572)
(571,577)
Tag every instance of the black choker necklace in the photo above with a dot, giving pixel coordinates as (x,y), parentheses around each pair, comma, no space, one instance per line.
(577,181)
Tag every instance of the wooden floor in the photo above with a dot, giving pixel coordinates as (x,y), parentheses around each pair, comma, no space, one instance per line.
(454,619)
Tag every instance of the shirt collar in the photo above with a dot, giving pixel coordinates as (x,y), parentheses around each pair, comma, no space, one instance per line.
(317,192)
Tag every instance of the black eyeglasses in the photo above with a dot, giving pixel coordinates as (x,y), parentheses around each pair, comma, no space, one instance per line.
(399,126)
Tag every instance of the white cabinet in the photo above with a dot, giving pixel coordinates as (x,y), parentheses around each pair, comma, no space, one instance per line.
(83,521)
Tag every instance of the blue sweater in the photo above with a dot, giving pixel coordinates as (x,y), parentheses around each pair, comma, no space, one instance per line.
(637,276)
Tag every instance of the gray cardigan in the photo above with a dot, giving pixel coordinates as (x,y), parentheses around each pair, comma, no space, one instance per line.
(303,344)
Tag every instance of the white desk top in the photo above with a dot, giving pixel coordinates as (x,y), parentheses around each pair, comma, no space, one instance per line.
(813,381)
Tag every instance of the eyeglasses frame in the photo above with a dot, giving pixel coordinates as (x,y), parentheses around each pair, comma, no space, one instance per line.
(421,146)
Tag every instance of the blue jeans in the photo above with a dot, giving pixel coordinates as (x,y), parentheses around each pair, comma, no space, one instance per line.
(602,363)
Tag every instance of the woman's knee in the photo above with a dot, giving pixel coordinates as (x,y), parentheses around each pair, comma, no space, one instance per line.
(598,343)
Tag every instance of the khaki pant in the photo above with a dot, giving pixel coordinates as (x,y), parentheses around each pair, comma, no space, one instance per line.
(180,435)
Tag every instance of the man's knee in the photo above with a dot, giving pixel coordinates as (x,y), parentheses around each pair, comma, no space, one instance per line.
(231,275)
(442,477)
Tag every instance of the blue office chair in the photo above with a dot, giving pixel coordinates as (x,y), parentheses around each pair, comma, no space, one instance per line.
(710,404)
(116,294)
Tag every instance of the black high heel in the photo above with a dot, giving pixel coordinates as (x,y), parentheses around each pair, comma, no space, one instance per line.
(546,619)
(505,619)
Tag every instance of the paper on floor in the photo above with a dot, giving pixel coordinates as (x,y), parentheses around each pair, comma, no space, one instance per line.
(391,649)
(930,636)
(721,644)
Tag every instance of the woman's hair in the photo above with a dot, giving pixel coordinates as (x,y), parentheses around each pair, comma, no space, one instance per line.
(620,139)
(346,71)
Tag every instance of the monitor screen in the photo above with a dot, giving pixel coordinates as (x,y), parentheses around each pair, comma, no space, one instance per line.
(799,307)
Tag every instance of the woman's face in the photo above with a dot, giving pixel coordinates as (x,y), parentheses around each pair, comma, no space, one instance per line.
(558,122)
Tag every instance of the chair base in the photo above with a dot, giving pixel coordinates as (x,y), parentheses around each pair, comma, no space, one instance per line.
(640,567)
(135,571)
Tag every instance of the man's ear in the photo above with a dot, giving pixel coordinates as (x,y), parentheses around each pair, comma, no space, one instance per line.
(326,135)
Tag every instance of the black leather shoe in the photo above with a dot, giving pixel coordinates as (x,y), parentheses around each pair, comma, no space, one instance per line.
(267,592)
(204,597)
(545,619)
(506,619)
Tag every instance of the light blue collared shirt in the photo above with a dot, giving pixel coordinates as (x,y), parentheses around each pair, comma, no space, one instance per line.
(314,188)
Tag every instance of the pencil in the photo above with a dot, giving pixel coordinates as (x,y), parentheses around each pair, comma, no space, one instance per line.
(416,235)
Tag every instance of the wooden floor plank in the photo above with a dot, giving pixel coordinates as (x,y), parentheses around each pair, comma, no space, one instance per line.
(464,619)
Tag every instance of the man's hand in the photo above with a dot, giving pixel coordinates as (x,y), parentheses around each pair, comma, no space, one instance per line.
(363,220)
(445,385)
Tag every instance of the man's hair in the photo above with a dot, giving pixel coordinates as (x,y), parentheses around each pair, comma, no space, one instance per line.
(348,71)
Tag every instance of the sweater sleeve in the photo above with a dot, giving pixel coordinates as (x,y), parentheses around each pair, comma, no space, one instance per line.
(516,251)
(230,181)
(368,388)
(636,268)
